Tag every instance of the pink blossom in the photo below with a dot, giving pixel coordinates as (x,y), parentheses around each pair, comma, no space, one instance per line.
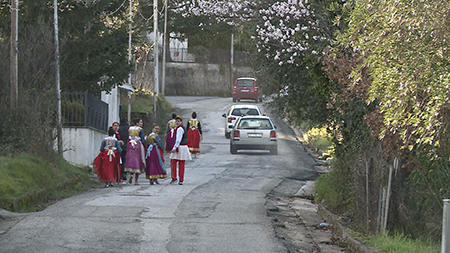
(285,29)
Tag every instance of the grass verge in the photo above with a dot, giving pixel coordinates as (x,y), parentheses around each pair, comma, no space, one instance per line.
(30,183)
(400,243)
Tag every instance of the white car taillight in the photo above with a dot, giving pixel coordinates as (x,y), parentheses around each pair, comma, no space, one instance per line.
(273,134)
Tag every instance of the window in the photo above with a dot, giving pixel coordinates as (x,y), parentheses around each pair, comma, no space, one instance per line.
(255,124)
(252,112)
(247,83)
(246,111)
(236,112)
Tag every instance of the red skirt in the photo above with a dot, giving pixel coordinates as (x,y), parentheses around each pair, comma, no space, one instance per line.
(193,139)
(106,165)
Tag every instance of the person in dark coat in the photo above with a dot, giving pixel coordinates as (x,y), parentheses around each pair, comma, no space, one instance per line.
(123,132)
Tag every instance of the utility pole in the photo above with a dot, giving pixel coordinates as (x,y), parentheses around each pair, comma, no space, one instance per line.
(445,243)
(57,76)
(164,48)
(155,52)
(14,53)
(231,60)
(129,60)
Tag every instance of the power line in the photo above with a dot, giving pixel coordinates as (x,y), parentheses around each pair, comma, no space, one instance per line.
(112,13)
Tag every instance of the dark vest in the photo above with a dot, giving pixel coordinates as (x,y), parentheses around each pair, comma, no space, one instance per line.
(184,138)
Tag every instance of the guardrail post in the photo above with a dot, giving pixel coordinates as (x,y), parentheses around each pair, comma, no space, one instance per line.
(446,227)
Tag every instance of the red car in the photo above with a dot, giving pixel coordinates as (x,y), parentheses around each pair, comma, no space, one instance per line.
(246,88)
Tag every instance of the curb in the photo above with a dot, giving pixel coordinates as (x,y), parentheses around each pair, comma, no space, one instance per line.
(352,244)
(329,217)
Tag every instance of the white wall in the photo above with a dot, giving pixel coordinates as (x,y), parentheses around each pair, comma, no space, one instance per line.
(81,144)
(113,101)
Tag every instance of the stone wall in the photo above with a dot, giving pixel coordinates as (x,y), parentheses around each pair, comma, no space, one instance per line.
(192,79)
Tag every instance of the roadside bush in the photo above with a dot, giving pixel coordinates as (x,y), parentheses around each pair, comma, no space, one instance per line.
(419,199)
(336,189)
(320,138)
(75,111)
(142,107)
(29,125)
(361,162)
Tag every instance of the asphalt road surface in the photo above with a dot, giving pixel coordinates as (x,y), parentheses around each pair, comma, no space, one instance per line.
(220,208)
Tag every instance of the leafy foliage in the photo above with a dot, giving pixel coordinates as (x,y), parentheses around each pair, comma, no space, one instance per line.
(388,61)
(430,179)
(93,41)
(403,44)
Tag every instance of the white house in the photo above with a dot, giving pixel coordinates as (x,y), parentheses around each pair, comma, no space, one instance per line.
(113,100)
(178,48)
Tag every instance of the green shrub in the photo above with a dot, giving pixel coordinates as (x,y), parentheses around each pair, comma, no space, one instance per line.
(72,111)
(320,138)
(142,107)
(141,102)
(334,189)
(325,192)
(421,197)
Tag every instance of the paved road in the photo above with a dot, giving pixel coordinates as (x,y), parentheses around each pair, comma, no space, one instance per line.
(220,208)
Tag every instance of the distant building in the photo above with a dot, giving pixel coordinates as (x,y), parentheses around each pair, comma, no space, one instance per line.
(178,49)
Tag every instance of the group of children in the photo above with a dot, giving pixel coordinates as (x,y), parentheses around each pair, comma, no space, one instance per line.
(145,154)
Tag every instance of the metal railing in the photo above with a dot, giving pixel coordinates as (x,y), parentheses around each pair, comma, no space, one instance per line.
(83,109)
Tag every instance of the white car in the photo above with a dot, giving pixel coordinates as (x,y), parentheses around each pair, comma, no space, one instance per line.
(235,112)
(254,132)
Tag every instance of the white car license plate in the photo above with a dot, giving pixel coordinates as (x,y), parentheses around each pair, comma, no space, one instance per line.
(254,135)
(245,90)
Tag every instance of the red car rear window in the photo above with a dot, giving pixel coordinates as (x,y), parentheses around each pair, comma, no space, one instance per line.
(245,83)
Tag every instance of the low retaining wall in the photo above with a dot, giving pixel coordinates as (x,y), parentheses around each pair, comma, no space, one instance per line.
(192,79)
(81,144)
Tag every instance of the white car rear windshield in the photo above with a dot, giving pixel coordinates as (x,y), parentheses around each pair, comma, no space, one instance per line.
(255,124)
(244,111)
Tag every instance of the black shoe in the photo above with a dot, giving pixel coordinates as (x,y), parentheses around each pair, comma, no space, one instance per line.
(174,180)
(180,183)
